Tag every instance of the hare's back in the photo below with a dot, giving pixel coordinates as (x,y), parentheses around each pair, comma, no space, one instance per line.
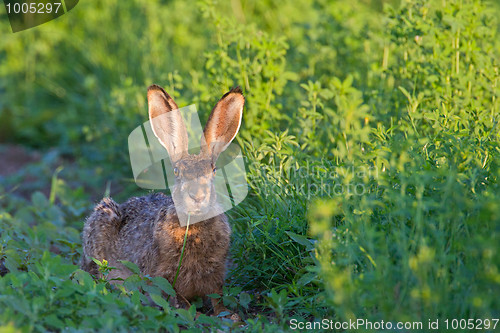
(144,209)
(139,215)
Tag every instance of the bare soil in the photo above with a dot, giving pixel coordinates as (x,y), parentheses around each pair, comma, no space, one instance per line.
(14,157)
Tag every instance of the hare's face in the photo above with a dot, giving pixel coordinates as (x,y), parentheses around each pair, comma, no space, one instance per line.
(194,191)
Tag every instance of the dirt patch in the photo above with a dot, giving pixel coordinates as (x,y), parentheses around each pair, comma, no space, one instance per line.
(24,171)
(13,158)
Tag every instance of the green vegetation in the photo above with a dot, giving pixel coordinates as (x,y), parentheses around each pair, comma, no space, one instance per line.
(372,137)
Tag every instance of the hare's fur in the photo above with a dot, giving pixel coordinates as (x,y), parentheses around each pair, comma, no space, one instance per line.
(146,230)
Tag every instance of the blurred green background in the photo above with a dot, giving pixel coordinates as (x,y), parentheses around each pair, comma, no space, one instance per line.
(372,143)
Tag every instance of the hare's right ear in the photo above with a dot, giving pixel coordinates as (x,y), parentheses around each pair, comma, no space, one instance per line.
(224,122)
(166,122)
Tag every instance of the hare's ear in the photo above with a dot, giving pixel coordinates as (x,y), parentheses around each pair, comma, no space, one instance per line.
(224,122)
(166,122)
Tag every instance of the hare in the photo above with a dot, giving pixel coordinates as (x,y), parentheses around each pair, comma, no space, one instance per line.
(147,230)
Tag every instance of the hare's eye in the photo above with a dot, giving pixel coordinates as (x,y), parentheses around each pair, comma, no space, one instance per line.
(176,172)
(214,170)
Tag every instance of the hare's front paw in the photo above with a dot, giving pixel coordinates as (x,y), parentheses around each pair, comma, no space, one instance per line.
(174,302)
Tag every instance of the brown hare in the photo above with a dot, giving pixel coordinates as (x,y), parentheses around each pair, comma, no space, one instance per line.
(147,230)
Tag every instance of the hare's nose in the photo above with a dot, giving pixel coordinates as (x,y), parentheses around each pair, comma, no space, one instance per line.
(196,193)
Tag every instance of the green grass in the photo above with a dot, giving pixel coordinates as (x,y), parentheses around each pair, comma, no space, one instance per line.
(371,138)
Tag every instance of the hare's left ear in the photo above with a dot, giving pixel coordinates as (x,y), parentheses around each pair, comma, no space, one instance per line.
(224,122)
(166,123)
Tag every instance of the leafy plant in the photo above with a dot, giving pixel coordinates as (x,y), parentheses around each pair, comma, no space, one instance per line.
(371,138)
